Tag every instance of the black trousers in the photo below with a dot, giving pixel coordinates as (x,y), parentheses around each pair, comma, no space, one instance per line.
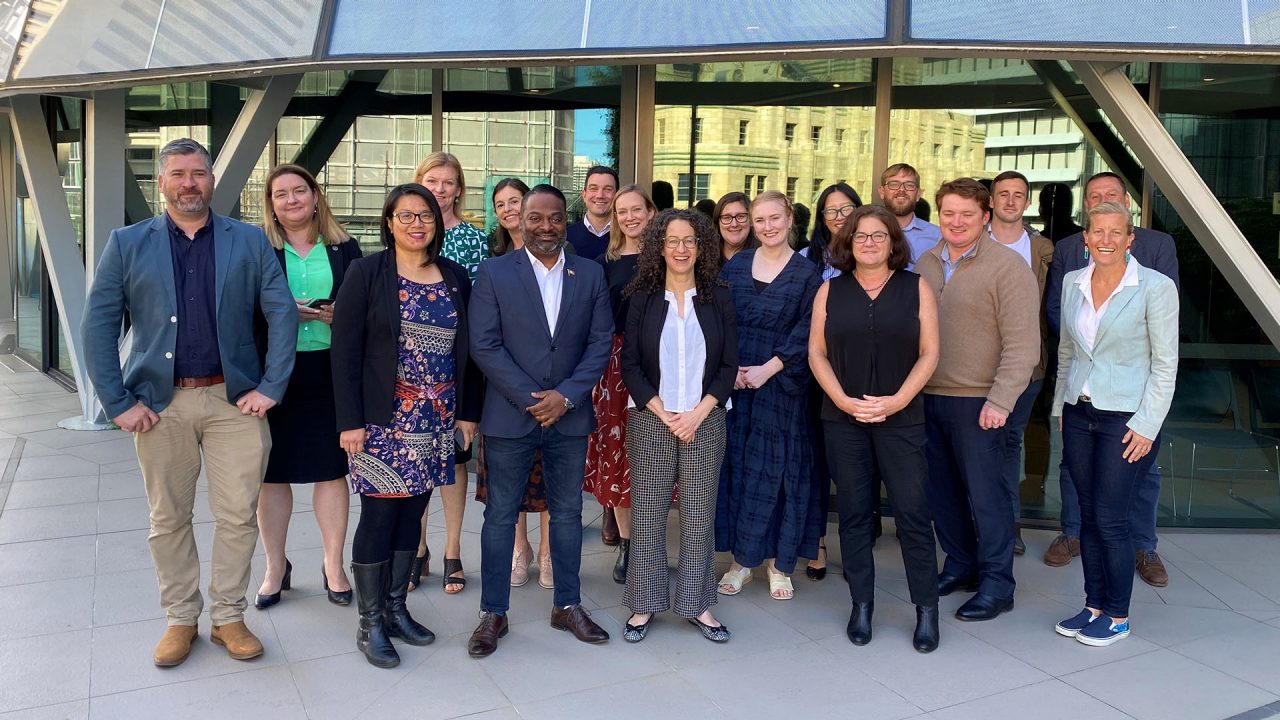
(861,456)
(387,525)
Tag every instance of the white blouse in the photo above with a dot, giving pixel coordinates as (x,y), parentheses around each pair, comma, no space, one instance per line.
(1088,320)
(682,356)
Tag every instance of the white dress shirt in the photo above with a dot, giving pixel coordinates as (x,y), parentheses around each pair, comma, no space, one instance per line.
(682,356)
(1088,320)
(550,285)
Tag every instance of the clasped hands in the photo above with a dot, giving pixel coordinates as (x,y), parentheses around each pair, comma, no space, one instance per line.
(871,408)
(683,425)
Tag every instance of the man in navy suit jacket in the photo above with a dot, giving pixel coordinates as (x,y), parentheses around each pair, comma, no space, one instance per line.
(190,281)
(541,331)
(1154,250)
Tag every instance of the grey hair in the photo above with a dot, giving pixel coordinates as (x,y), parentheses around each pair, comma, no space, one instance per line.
(1109,208)
(183,146)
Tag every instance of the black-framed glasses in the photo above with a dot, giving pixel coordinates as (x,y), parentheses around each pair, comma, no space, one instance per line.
(689,242)
(838,212)
(902,185)
(738,219)
(404,217)
(876,237)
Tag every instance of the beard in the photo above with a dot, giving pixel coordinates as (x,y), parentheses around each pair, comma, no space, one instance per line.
(190,205)
(543,248)
(901,206)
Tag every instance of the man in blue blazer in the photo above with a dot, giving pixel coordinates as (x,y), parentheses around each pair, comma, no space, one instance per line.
(1154,250)
(189,282)
(541,331)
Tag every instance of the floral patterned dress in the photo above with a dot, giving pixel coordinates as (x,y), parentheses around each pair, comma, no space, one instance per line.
(465,245)
(414,453)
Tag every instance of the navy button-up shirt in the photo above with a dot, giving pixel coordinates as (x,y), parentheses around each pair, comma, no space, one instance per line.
(196,353)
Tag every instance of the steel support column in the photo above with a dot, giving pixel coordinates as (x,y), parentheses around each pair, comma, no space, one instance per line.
(437,110)
(884,107)
(1186,191)
(360,88)
(104,199)
(255,125)
(635,124)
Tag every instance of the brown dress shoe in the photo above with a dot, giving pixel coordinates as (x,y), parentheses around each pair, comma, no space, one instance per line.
(576,620)
(175,645)
(1061,550)
(485,638)
(241,644)
(609,529)
(1151,568)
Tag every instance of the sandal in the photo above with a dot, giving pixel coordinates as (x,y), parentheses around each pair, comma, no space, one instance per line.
(733,580)
(779,585)
(818,573)
(420,568)
(451,566)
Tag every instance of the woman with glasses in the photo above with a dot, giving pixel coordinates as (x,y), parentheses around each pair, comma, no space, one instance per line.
(732,220)
(403,383)
(679,362)
(763,512)
(872,354)
(608,476)
(835,205)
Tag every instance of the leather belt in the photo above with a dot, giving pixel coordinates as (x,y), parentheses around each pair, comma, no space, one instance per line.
(198,382)
(1086,398)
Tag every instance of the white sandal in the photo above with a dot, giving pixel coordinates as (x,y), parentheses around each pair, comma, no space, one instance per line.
(780,583)
(734,580)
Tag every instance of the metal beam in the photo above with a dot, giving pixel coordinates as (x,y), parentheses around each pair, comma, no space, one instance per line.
(635,124)
(104,199)
(248,136)
(437,111)
(352,101)
(884,108)
(136,206)
(1187,192)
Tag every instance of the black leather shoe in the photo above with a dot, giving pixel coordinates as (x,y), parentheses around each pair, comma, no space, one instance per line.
(983,607)
(262,602)
(925,639)
(576,620)
(948,584)
(624,559)
(859,630)
(337,597)
(399,623)
(484,640)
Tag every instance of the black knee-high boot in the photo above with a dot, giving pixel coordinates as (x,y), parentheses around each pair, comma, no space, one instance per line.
(398,620)
(371,595)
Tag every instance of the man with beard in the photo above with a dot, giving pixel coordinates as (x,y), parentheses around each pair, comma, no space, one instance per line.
(590,237)
(899,192)
(190,282)
(541,330)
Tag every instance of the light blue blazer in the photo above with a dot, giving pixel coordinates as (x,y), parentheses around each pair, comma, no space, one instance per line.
(1134,360)
(135,276)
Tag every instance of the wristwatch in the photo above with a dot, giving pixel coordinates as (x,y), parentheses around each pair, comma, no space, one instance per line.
(568,405)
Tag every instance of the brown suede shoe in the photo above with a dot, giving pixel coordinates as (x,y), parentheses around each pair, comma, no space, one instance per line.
(609,534)
(1061,550)
(175,645)
(241,644)
(576,620)
(1151,568)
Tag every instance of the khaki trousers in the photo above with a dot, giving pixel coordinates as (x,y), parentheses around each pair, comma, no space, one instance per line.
(235,449)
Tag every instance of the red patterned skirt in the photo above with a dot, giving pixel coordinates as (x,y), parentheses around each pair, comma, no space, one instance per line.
(607,475)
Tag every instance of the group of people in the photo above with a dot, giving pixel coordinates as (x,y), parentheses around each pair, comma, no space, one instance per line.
(646,357)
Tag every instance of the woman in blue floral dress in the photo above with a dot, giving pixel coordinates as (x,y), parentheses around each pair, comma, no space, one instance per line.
(399,369)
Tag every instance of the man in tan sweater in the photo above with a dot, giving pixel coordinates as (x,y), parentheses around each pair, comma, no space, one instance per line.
(989,327)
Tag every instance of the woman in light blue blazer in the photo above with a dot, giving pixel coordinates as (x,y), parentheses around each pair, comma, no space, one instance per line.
(1117,360)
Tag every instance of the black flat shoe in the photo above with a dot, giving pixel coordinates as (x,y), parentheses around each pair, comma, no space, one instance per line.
(859,629)
(262,602)
(711,632)
(337,597)
(636,633)
(421,568)
(948,584)
(925,639)
(983,607)
(817,574)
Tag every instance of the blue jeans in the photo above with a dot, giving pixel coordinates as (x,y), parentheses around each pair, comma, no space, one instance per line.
(509,461)
(1016,425)
(1142,516)
(968,497)
(1107,487)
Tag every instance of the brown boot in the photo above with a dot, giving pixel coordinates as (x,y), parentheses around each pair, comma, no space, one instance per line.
(609,529)
(241,644)
(175,645)
(1151,568)
(1061,550)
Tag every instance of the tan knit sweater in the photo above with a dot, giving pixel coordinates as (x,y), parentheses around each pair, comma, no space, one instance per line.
(988,321)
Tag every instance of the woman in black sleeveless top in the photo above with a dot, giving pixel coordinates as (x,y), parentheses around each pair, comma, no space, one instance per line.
(873,344)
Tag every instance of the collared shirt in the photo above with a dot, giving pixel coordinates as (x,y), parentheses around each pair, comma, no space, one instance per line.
(1022,246)
(682,356)
(310,278)
(586,220)
(194,277)
(828,272)
(948,267)
(550,285)
(1088,321)
(921,237)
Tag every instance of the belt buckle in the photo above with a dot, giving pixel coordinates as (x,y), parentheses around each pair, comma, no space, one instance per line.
(1086,398)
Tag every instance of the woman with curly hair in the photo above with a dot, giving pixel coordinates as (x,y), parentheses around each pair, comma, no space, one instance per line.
(679,361)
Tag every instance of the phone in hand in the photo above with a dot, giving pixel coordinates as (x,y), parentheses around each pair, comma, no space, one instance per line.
(319,303)
(460,440)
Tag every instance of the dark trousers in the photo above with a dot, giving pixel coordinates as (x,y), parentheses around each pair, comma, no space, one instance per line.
(862,456)
(386,525)
(969,499)
(1016,425)
(508,461)
(1107,484)
(1142,515)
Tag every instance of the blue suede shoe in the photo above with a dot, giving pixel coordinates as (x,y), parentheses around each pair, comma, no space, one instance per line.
(1073,625)
(1102,632)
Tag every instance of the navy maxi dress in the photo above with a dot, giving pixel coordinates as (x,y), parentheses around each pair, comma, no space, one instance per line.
(764,508)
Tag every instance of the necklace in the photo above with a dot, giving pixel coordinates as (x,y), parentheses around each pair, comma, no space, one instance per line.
(876,288)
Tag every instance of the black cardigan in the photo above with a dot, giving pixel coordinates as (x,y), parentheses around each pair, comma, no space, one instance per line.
(366,343)
(640,362)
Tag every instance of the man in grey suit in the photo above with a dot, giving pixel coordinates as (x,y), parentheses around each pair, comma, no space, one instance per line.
(190,282)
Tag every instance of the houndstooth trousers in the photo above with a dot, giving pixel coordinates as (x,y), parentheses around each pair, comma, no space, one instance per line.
(658,461)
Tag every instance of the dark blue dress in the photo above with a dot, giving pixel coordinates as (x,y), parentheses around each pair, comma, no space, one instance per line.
(765,507)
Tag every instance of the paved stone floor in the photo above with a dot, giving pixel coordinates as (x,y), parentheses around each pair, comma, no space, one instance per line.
(79,616)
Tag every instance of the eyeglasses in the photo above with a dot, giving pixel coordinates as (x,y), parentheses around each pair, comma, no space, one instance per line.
(842,211)
(738,219)
(876,237)
(673,243)
(406,218)
(902,185)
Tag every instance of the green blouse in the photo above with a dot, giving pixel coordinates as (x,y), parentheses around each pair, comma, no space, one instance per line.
(310,278)
(465,245)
